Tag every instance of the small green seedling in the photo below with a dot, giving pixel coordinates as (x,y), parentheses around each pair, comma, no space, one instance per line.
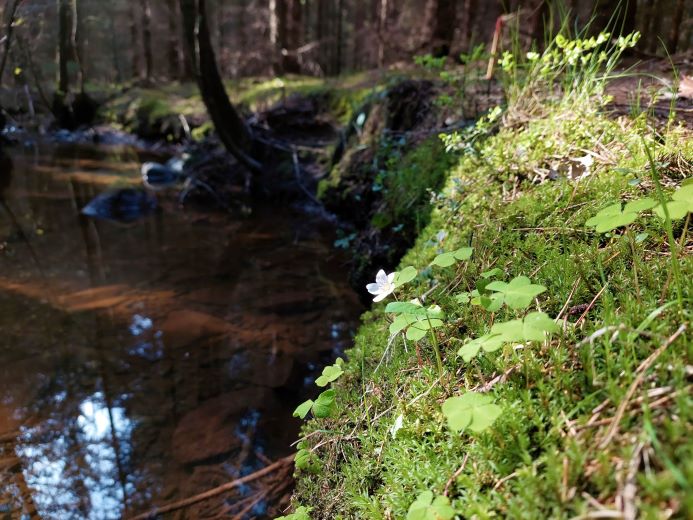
(322,407)
(414,317)
(331,373)
(428,507)
(613,216)
(536,326)
(680,205)
(472,410)
(451,258)
(518,293)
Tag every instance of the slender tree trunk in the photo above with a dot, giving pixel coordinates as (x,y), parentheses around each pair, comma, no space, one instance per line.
(675,27)
(10,14)
(655,25)
(232,130)
(292,35)
(77,43)
(441,16)
(382,26)
(340,34)
(64,37)
(172,50)
(147,40)
(468,27)
(135,40)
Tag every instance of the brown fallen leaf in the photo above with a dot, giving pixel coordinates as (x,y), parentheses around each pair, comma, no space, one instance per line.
(686,87)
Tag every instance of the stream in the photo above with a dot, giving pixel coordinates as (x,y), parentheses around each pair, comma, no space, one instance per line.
(144,363)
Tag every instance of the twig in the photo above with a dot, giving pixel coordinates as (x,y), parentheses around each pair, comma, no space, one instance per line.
(156,511)
(591,304)
(642,370)
(455,474)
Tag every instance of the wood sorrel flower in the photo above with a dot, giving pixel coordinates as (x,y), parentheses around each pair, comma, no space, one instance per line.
(383,286)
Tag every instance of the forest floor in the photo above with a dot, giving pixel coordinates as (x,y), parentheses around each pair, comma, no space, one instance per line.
(561,318)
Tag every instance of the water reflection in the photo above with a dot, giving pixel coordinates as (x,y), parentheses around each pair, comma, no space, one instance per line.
(148,363)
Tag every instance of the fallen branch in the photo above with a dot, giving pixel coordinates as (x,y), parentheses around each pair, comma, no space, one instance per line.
(156,511)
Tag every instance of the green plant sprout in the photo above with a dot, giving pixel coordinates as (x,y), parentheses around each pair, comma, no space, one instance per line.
(614,216)
(536,326)
(430,507)
(471,411)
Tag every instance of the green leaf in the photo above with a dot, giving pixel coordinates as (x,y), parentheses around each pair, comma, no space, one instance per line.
(463,253)
(329,374)
(426,507)
(444,260)
(306,461)
(680,206)
(303,409)
(401,322)
(519,293)
(493,272)
(489,342)
(463,298)
(405,308)
(491,303)
(448,259)
(324,404)
(636,206)
(613,216)
(534,327)
(419,329)
(472,411)
(406,275)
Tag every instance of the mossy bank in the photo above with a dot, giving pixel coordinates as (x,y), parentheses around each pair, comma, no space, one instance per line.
(592,418)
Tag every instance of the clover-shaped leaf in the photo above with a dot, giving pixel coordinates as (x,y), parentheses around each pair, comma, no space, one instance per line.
(472,411)
(488,342)
(419,329)
(428,507)
(322,407)
(303,409)
(680,205)
(406,275)
(613,216)
(491,273)
(518,293)
(448,259)
(306,461)
(324,404)
(401,322)
(329,374)
(533,327)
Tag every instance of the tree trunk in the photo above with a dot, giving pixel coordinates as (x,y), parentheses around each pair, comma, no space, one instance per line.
(77,43)
(232,130)
(468,27)
(172,51)
(292,32)
(675,27)
(134,41)
(441,16)
(10,14)
(382,26)
(147,40)
(64,37)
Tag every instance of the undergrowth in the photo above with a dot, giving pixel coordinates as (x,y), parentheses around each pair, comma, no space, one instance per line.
(561,319)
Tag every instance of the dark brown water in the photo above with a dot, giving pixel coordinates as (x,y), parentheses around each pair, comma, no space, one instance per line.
(146,363)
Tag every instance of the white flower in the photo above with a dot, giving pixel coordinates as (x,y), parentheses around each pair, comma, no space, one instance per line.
(383,286)
(532,56)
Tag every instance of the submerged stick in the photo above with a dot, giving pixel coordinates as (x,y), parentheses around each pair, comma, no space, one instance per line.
(167,508)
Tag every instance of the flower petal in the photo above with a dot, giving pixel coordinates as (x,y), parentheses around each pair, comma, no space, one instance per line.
(391,278)
(380,297)
(373,288)
(381,278)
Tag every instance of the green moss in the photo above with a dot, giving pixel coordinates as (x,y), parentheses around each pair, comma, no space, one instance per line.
(542,458)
